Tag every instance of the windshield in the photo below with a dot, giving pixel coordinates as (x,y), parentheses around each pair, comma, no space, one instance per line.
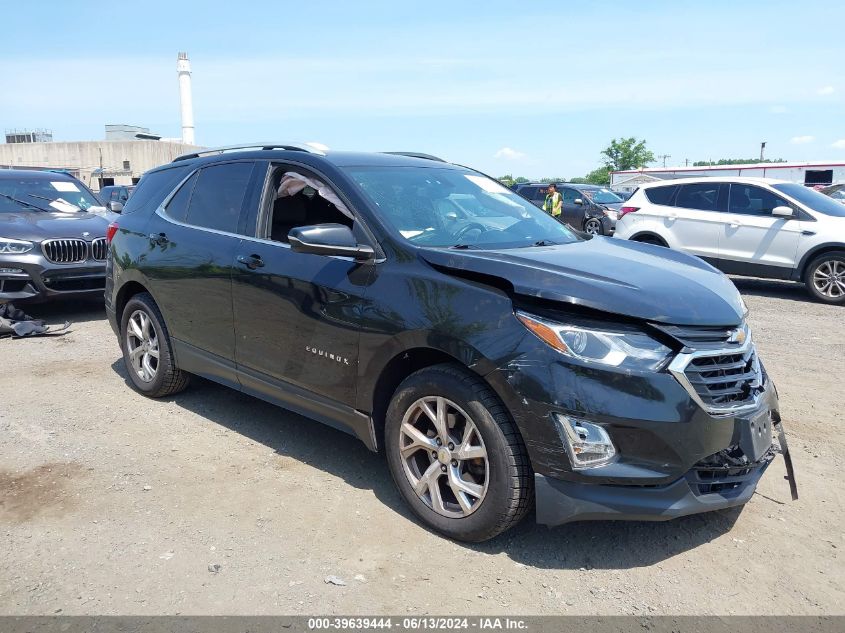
(602,196)
(816,201)
(439,206)
(28,194)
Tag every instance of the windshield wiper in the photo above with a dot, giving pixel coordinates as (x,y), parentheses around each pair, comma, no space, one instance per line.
(54,200)
(24,203)
(462,246)
(544,243)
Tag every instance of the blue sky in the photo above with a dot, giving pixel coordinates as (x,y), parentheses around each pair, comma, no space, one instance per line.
(536,89)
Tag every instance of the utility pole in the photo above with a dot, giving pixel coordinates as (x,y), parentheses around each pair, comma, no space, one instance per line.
(686,162)
(664,157)
(762,147)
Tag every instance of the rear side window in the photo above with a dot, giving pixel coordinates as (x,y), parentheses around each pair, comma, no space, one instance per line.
(528,192)
(177,208)
(153,188)
(703,196)
(751,200)
(661,195)
(218,196)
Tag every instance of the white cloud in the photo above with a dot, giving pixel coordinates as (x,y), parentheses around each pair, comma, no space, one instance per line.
(826,90)
(840,144)
(778,109)
(509,154)
(800,140)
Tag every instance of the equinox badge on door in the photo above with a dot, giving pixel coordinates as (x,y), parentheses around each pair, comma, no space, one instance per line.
(335,357)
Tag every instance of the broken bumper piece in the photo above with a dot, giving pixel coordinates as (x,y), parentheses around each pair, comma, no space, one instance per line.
(702,489)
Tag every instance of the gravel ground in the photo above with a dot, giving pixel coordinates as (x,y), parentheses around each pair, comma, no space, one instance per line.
(213,502)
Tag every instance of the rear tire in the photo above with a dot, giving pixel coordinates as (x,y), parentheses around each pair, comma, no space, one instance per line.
(147,351)
(471,479)
(649,239)
(825,278)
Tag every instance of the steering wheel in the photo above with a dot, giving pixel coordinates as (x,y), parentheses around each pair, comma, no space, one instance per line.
(472,226)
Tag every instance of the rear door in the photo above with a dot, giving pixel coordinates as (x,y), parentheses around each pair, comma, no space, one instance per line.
(694,222)
(752,241)
(193,238)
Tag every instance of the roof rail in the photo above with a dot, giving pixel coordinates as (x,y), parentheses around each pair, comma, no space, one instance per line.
(417,155)
(311,148)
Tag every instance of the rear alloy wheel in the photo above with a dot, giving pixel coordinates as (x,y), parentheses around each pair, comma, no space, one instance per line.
(825,278)
(147,353)
(455,454)
(592,227)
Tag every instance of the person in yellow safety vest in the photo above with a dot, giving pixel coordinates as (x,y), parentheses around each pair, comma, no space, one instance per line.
(554,201)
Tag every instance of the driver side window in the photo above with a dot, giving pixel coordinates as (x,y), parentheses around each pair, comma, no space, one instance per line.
(569,195)
(298,198)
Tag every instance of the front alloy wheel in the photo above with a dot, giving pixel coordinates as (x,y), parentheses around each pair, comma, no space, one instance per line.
(444,457)
(825,278)
(455,454)
(593,227)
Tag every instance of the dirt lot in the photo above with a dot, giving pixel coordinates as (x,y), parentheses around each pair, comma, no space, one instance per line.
(111,503)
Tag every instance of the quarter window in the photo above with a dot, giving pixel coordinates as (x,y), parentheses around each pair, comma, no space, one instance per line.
(177,208)
(702,196)
(218,196)
(153,188)
(751,200)
(661,195)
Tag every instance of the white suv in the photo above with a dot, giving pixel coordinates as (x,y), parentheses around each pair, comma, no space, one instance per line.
(746,226)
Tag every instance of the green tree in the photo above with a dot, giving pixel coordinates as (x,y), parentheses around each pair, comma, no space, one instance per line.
(626,153)
(600,176)
(548,180)
(580,180)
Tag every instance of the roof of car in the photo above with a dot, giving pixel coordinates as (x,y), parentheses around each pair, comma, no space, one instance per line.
(34,173)
(575,185)
(736,179)
(335,157)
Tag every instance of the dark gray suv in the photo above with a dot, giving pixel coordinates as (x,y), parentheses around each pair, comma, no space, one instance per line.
(589,208)
(52,240)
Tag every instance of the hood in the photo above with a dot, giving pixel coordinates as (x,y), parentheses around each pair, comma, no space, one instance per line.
(39,225)
(615,276)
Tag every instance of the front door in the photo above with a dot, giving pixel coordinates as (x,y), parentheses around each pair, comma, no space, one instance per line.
(752,241)
(573,214)
(297,315)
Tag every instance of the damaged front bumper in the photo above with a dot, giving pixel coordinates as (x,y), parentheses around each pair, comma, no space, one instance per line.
(702,489)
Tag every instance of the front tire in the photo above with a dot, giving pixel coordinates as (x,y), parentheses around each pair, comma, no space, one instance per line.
(147,352)
(825,278)
(456,456)
(593,227)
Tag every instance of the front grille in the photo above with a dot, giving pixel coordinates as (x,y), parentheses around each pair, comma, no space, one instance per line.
(698,337)
(726,379)
(725,472)
(99,249)
(69,251)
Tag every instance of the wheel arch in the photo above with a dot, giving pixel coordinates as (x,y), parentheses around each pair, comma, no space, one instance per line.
(813,253)
(637,237)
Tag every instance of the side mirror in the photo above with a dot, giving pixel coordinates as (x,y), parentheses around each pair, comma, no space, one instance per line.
(328,239)
(783,212)
(116,207)
(579,201)
(452,216)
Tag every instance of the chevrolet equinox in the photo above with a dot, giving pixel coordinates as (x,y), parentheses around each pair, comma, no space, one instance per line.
(498,359)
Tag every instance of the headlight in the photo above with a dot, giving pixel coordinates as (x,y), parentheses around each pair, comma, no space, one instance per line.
(8,245)
(612,347)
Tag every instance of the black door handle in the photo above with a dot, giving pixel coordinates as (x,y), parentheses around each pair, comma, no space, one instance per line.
(159,239)
(251,261)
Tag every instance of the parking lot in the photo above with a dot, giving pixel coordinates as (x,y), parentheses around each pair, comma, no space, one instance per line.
(212,502)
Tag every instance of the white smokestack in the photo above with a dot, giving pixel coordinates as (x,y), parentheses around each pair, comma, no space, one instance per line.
(183,68)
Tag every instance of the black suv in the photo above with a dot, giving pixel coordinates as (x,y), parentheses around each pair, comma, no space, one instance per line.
(589,208)
(495,356)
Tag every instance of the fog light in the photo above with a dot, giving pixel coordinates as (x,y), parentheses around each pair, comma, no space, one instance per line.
(11,271)
(588,445)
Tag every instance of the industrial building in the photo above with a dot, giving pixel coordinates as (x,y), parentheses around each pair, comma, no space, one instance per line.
(812,173)
(126,152)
